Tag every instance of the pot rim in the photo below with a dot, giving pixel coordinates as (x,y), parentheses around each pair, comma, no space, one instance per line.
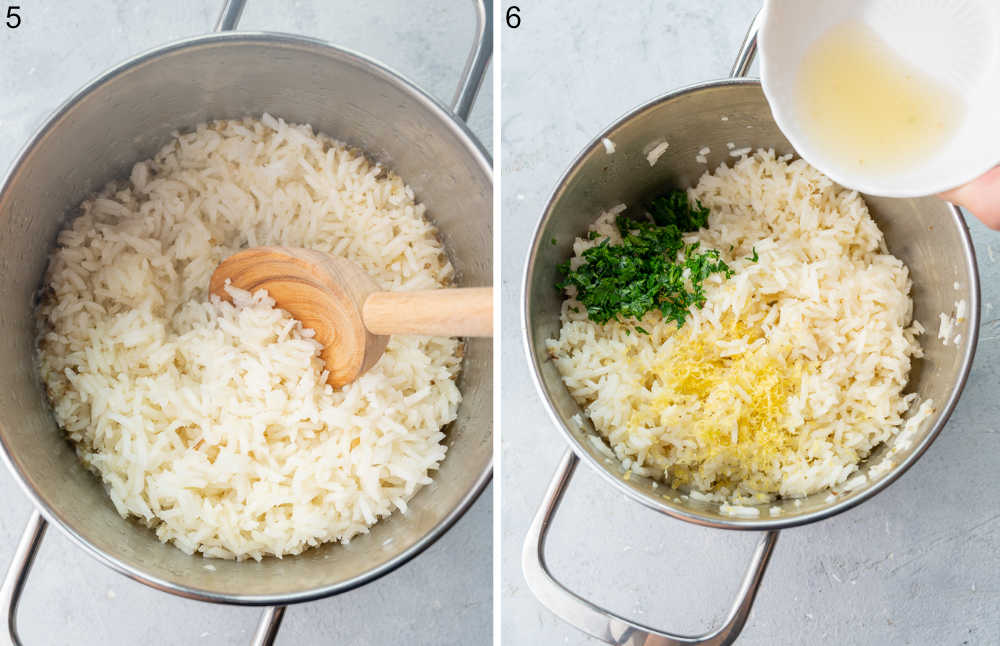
(664,506)
(464,134)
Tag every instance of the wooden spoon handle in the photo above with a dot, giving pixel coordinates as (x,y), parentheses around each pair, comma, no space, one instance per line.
(465,311)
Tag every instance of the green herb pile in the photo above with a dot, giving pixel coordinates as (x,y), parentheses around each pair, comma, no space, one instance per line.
(646,270)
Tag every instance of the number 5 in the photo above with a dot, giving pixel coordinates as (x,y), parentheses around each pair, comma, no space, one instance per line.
(13,15)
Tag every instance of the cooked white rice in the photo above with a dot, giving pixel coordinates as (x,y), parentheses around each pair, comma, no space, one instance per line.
(657,151)
(949,323)
(791,374)
(211,422)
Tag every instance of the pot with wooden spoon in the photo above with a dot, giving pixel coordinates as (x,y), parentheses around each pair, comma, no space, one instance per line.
(121,117)
(351,316)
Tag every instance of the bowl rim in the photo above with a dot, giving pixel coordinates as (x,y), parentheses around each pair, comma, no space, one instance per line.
(658,503)
(377,69)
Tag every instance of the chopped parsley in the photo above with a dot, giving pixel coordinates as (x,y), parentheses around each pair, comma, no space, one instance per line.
(674,209)
(651,268)
(754,257)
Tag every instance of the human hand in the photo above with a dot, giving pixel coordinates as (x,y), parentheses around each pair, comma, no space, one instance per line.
(981,197)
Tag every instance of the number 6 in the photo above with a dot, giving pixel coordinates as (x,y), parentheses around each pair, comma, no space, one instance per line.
(513,17)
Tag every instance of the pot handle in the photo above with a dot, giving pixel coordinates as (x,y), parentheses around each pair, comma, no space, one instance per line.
(230,15)
(268,625)
(17,575)
(748,50)
(475,66)
(602,623)
(20,568)
(479,59)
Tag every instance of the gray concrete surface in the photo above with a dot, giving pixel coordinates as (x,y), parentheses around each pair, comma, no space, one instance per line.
(915,565)
(442,597)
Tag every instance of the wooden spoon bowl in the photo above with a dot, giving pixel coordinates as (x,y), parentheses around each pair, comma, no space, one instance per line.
(350,315)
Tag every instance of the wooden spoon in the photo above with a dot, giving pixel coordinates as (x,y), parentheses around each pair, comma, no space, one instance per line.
(351,316)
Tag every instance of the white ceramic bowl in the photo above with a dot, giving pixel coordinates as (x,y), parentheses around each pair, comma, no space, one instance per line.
(956,42)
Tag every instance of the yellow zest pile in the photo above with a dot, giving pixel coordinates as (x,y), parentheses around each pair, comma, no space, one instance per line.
(741,427)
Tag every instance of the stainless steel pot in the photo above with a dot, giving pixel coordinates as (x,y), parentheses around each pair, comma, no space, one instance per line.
(929,235)
(126,115)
